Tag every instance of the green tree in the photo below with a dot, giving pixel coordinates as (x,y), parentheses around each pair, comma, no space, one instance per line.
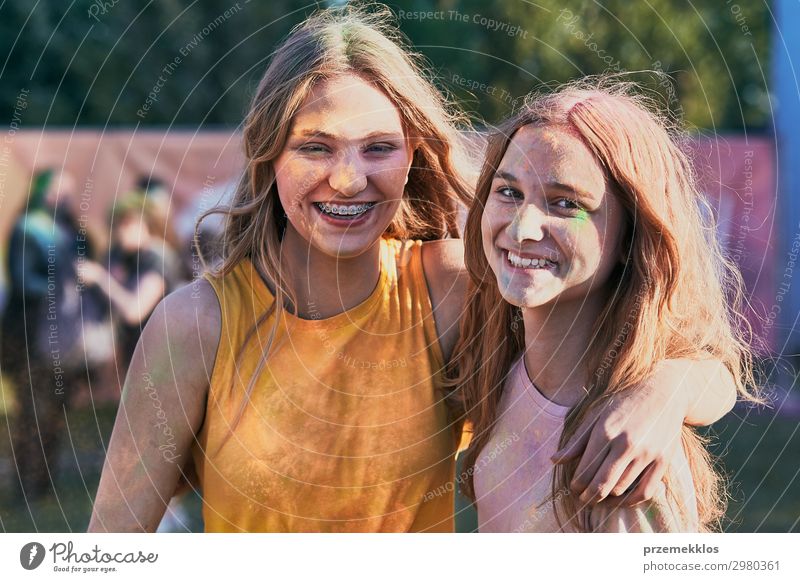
(715,51)
(96,62)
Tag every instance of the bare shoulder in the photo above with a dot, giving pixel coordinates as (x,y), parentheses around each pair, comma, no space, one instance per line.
(446,276)
(187,325)
(193,305)
(443,261)
(446,255)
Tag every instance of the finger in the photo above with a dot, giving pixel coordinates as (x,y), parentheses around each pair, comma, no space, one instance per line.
(593,456)
(629,477)
(638,470)
(618,501)
(607,475)
(578,441)
(573,449)
(649,485)
(626,499)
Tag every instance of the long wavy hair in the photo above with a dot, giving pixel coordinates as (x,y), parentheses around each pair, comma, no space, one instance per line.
(676,296)
(356,39)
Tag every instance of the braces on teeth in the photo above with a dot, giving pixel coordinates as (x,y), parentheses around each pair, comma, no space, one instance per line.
(345,210)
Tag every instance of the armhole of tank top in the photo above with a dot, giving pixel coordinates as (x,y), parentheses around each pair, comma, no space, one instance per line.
(428,319)
(223,345)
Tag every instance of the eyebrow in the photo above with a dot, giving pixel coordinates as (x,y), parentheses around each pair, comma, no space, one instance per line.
(551,184)
(555,185)
(508,176)
(326,135)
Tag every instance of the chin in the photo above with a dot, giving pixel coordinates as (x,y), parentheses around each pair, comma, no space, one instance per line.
(346,249)
(526,299)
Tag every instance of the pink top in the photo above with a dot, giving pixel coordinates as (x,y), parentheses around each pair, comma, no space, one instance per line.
(513,474)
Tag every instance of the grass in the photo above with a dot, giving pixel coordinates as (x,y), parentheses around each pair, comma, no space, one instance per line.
(69,507)
(761,456)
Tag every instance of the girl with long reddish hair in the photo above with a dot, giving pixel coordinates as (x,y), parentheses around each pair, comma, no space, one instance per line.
(303,378)
(590,264)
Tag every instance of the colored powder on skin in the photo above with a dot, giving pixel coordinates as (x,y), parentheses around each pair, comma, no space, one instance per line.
(579,220)
(650,513)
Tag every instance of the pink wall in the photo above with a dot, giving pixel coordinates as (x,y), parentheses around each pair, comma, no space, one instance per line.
(737,174)
(739,177)
(107,164)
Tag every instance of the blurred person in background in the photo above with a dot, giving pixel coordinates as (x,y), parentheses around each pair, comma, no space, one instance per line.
(144,267)
(158,196)
(209,231)
(47,326)
(135,281)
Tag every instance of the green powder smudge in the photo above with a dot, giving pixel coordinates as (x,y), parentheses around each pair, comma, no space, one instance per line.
(582,216)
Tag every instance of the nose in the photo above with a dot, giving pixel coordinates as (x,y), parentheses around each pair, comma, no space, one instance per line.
(528,224)
(347,177)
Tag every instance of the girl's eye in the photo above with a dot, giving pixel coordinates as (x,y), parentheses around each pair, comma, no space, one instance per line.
(568,204)
(313,148)
(508,192)
(381,148)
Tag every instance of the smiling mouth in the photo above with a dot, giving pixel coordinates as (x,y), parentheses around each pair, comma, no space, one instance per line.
(344,211)
(519,262)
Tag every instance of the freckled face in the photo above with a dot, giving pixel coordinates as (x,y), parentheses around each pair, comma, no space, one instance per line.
(551,228)
(342,172)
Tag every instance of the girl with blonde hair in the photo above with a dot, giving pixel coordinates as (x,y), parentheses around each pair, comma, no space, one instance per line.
(302,379)
(587,229)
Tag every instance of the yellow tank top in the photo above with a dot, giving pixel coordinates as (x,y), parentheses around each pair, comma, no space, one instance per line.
(346,428)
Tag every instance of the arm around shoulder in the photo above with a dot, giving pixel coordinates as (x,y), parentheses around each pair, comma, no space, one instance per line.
(162,410)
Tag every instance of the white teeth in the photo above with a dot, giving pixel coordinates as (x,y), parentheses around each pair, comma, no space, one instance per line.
(344,209)
(518,261)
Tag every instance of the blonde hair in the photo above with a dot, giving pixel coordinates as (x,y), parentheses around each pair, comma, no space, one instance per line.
(355,39)
(134,205)
(677,296)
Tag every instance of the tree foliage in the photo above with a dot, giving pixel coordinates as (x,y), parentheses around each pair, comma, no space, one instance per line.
(102,62)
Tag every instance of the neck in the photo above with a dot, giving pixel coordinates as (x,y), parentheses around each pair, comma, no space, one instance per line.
(324,285)
(557,339)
